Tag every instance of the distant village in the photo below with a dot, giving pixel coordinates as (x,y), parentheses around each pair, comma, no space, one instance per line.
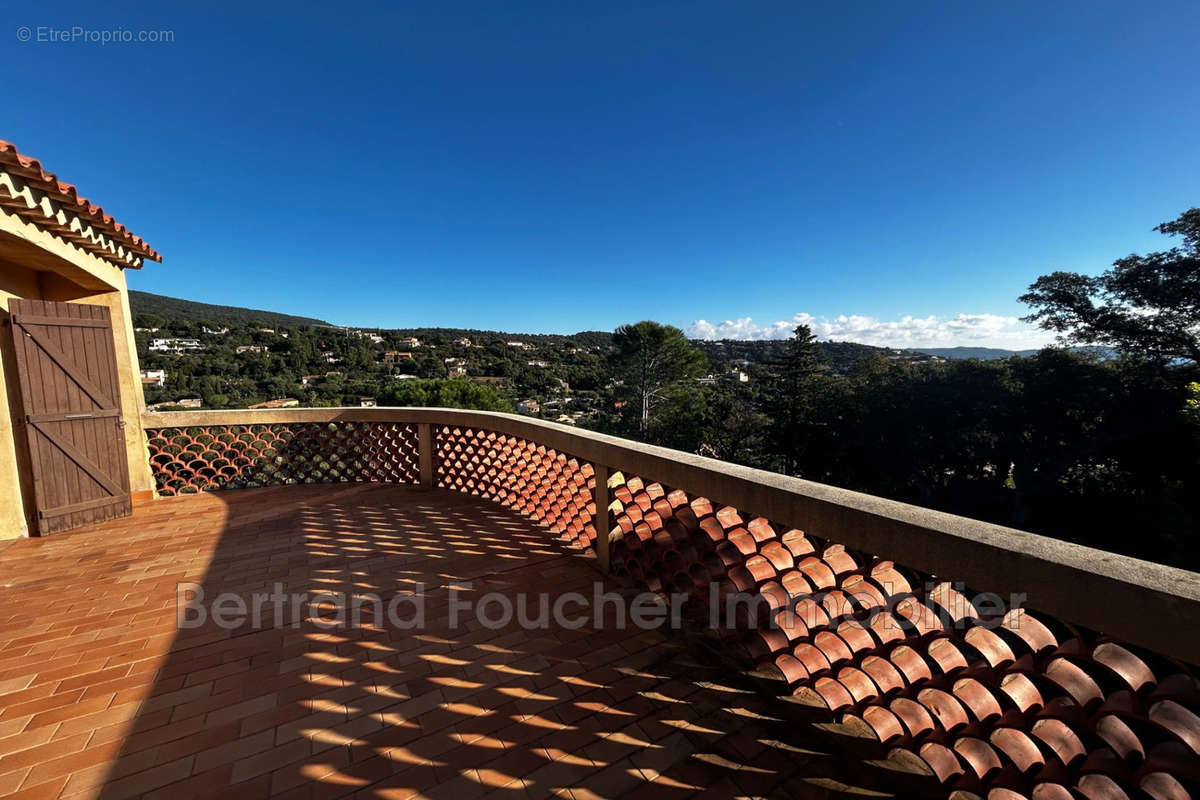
(254,366)
(191,365)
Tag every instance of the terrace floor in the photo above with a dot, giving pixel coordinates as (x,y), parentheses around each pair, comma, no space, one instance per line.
(101,695)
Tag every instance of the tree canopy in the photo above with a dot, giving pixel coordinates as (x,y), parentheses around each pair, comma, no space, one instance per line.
(794,385)
(652,359)
(1145,305)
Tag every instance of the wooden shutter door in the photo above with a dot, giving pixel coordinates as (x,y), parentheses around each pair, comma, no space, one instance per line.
(67,368)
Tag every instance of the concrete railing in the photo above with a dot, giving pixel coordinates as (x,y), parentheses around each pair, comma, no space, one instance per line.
(1147,604)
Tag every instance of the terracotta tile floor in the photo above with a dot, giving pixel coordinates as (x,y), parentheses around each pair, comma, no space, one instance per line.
(102,696)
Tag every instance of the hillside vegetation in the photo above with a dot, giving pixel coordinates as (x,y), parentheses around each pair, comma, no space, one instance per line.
(176,310)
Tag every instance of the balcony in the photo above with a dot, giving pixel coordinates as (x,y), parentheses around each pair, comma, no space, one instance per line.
(871,654)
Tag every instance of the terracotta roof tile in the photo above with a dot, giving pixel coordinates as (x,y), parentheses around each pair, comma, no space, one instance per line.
(858,683)
(1020,750)
(886,725)
(39,197)
(884,673)
(979,755)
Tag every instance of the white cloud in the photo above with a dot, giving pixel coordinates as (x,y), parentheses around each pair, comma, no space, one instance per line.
(967,330)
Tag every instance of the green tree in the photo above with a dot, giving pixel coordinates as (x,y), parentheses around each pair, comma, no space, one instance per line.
(793,388)
(1147,306)
(444,393)
(652,360)
(735,427)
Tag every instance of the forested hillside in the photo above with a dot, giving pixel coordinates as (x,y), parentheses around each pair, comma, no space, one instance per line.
(840,356)
(227,364)
(176,310)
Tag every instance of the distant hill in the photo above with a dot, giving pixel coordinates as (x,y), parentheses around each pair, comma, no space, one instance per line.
(173,308)
(994,353)
(479,336)
(984,353)
(841,356)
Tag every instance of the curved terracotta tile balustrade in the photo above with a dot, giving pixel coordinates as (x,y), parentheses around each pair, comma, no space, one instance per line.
(203,458)
(543,484)
(1087,692)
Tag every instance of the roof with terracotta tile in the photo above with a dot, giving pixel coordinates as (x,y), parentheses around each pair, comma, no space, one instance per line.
(28,190)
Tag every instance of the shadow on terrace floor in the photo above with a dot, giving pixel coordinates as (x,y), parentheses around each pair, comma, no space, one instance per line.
(102,696)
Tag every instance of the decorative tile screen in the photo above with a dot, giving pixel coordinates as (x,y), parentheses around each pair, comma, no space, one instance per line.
(543,484)
(212,457)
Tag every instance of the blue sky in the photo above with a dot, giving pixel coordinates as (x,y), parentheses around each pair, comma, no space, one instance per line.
(893,172)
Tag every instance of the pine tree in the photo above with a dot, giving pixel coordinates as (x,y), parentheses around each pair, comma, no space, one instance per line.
(793,392)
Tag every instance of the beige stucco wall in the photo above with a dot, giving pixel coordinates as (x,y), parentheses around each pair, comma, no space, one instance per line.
(36,265)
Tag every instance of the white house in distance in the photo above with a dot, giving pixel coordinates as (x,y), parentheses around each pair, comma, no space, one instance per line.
(411,342)
(175,345)
(373,338)
(528,407)
(154,377)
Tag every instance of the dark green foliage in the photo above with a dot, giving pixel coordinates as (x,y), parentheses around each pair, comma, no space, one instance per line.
(982,353)
(735,426)
(145,320)
(840,356)
(448,393)
(176,310)
(796,383)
